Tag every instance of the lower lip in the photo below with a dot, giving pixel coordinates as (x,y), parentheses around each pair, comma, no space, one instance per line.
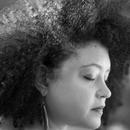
(98,111)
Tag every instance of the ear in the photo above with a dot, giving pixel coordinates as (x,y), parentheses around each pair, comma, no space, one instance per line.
(41,80)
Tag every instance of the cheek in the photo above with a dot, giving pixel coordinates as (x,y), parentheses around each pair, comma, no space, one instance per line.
(69,100)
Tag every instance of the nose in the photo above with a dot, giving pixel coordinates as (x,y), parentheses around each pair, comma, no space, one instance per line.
(103,91)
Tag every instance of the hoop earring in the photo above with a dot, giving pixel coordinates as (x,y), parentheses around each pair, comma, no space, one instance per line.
(45,116)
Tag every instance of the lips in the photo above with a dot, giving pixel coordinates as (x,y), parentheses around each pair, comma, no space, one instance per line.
(98,109)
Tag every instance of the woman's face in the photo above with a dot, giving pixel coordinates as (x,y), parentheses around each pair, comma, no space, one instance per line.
(77,97)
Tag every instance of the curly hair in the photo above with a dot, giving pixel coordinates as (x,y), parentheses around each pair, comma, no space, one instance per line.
(34,33)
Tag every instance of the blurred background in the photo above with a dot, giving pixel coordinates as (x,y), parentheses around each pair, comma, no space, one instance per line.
(120,119)
(4,3)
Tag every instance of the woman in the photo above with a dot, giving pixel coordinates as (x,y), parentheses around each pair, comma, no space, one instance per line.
(54,64)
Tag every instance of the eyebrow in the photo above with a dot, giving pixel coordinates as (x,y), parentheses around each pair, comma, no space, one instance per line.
(95,65)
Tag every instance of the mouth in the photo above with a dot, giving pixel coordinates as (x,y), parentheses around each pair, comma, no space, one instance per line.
(98,110)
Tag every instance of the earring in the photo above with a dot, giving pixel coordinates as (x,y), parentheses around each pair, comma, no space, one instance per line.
(45,116)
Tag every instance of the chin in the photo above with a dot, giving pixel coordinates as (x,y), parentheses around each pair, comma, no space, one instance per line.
(91,123)
(95,123)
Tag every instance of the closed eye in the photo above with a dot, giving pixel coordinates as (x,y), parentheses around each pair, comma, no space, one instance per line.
(88,78)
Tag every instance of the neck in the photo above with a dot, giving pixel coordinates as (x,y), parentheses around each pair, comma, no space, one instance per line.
(56,126)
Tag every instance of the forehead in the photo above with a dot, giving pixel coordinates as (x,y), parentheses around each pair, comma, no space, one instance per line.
(93,53)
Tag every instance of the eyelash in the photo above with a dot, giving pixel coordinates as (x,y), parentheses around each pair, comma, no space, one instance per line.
(92,79)
(88,78)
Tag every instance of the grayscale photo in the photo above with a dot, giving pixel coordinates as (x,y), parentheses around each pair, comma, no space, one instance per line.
(64,64)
